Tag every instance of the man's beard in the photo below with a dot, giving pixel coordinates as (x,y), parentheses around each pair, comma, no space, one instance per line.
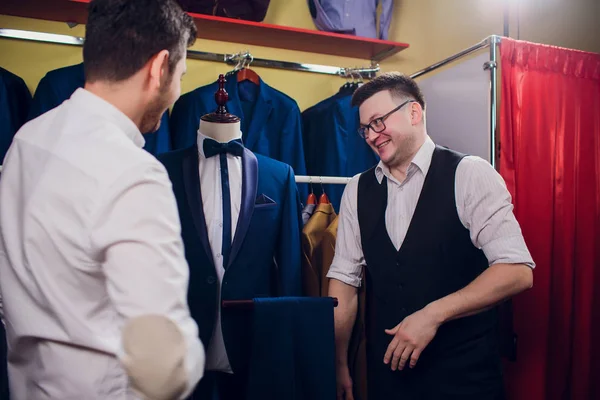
(153,115)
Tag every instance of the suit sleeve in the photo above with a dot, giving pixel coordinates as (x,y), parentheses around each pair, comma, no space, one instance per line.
(44,99)
(183,123)
(288,254)
(292,146)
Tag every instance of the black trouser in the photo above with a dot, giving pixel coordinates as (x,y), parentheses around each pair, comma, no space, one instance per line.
(220,386)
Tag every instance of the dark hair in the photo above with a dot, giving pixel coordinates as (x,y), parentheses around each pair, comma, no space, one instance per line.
(122,35)
(398,84)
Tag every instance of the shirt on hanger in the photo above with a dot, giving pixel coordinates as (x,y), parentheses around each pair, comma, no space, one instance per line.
(90,238)
(58,85)
(353,17)
(210,184)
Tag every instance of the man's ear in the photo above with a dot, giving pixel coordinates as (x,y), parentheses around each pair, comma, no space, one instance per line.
(416,113)
(158,68)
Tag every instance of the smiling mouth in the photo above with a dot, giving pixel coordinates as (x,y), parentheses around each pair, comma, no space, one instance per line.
(383,144)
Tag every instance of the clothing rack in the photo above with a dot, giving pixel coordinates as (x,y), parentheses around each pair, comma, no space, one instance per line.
(231,59)
(249,304)
(336,180)
(492,42)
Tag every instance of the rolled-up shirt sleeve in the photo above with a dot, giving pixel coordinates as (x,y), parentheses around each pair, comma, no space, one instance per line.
(136,235)
(349,260)
(485,208)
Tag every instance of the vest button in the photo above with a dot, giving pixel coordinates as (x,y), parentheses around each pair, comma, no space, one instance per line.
(210,280)
(400,286)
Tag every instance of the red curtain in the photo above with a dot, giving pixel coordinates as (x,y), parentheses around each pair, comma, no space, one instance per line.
(550,160)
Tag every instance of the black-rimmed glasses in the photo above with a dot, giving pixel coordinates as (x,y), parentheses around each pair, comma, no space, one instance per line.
(378,124)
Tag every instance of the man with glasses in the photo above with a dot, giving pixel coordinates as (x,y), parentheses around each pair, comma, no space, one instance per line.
(434,234)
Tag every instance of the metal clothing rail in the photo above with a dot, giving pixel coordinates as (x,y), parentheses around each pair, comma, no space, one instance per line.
(487,42)
(492,42)
(336,180)
(230,59)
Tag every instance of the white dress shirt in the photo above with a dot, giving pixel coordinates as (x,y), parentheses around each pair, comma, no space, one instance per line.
(90,240)
(212,201)
(483,203)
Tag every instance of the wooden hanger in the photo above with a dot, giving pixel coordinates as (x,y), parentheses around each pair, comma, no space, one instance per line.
(245,73)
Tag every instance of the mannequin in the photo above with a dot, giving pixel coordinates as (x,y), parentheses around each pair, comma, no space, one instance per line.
(219,184)
(220,125)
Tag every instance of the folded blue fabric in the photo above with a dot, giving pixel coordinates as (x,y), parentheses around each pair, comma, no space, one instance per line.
(293,349)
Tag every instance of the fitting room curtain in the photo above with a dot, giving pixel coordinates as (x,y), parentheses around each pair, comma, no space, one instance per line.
(550,160)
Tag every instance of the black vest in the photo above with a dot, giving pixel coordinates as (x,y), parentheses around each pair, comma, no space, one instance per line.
(436,258)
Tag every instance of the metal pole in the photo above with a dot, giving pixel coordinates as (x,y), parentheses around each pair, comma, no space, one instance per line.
(368,72)
(483,44)
(493,67)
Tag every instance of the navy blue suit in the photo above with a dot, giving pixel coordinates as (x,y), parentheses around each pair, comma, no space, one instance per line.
(332,144)
(58,85)
(15,101)
(265,253)
(270,125)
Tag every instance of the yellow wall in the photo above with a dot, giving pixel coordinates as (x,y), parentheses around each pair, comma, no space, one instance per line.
(435,29)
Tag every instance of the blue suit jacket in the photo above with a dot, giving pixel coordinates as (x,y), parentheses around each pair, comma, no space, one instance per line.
(265,253)
(58,85)
(332,144)
(271,123)
(15,101)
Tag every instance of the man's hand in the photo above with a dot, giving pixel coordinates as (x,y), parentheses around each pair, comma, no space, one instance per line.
(344,383)
(411,336)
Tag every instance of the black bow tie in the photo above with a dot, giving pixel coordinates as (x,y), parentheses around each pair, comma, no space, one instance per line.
(212,148)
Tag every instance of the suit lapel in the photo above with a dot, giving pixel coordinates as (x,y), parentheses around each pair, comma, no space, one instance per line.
(191,178)
(249,189)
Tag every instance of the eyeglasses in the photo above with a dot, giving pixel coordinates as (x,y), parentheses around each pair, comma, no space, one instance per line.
(378,125)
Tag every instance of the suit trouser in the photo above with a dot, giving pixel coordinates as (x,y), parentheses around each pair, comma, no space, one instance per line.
(220,386)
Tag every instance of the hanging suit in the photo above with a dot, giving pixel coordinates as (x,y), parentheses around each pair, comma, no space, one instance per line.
(357,348)
(58,85)
(332,145)
(312,233)
(264,259)
(271,123)
(15,101)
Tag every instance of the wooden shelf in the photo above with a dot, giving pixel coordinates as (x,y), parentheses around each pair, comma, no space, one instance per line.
(227,30)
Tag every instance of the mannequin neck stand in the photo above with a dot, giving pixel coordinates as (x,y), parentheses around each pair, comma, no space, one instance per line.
(221,132)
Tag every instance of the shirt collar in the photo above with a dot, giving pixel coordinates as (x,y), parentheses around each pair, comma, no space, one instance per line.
(98,106)
(421,160)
